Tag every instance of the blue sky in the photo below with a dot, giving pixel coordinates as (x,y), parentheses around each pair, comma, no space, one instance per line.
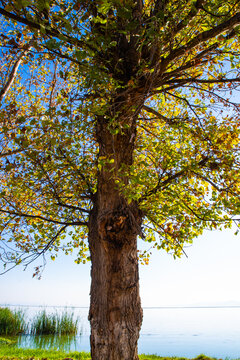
(209,276)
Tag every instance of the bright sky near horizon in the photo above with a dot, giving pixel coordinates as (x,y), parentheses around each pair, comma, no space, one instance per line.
(209,276)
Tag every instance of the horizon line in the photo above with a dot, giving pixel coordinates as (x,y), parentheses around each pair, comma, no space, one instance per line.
(144,307)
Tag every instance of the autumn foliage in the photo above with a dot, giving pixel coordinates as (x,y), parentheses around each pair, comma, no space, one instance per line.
(117,117)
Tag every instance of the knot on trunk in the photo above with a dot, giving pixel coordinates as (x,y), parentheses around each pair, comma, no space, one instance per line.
(113,226)
(117,226)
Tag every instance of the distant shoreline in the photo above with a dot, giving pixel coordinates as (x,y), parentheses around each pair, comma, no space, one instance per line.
(144,307)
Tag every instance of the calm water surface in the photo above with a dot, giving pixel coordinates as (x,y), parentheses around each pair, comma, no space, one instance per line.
(165,331)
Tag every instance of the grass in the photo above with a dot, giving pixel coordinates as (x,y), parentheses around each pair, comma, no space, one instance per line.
(12,322)
(4,341)
(54,324)
(8,352)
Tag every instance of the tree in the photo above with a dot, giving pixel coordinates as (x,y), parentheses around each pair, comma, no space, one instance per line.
(117,121)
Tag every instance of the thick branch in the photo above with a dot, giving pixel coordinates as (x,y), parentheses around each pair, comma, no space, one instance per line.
(190,16)
(49,31)
(13,73)
(162,184)
(202,37)
(73,207)
(39,217)
(160,116)
(10,152)
(181,82)
(202,81)
(29,23)
(59,54)
(197,60)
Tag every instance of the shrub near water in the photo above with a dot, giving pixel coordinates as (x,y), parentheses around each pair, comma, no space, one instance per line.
(54,324)
(12,322)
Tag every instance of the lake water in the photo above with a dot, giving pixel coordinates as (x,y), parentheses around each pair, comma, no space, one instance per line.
(184,332)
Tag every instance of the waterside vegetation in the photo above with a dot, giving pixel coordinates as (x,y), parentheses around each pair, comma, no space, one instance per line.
(13,323)
(48,324)
(54,324)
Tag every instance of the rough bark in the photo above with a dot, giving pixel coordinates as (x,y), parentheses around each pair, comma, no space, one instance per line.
(115,310)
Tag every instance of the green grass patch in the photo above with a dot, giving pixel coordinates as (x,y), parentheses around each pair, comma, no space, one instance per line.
(5,341)
(8,352)
(54,324)
(12,322)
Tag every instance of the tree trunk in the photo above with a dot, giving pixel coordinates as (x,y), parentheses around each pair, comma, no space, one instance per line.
(115,312)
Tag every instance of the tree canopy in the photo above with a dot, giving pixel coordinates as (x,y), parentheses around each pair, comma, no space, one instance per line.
(119,119)
(172,64)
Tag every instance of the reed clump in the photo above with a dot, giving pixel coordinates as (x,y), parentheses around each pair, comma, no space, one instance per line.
(12,322)
(67,325)
(54,324)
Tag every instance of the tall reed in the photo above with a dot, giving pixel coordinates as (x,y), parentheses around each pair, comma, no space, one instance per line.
(67,325)
(54,324)
(12,322)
